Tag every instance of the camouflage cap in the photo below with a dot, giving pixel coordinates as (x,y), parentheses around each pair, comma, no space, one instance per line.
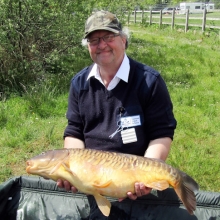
(102,20)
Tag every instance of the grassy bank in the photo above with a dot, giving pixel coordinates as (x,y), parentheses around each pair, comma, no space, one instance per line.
(189,63)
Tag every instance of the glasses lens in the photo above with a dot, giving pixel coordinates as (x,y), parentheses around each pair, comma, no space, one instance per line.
(109,38)
(94,41)
(106,38)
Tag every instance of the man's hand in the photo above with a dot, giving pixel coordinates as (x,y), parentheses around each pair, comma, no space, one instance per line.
(140,190)
(66,185)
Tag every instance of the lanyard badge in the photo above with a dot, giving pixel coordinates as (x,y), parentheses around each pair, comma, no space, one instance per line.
(126,127)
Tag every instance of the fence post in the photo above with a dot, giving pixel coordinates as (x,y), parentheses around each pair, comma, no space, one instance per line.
(173,17)
(142,16)
(187,20)
(150,19)
(204,20)
(128,16)
(160,23)
(135,14)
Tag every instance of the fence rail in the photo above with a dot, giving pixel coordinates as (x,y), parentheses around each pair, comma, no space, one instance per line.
(159,18)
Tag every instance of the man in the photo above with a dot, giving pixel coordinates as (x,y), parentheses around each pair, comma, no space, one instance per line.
(116,94)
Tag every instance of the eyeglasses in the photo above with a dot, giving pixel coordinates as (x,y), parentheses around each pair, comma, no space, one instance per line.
(107,38)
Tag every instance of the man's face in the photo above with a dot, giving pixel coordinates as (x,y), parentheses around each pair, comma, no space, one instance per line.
(107,53)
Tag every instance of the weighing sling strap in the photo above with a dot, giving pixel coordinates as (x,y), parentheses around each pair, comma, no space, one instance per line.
(33,198)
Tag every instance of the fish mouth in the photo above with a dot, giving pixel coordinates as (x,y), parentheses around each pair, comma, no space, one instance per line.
(33,167)
(29,165)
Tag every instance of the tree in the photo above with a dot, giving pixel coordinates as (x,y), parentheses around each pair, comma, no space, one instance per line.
(36,37)
(40,39)
(217,4)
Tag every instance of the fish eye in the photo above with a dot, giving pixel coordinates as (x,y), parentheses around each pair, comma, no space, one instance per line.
(43,153)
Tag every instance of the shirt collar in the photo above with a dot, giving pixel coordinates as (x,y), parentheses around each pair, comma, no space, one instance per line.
(122,73)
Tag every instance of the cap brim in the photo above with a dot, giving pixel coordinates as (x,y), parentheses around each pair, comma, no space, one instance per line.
(104,28)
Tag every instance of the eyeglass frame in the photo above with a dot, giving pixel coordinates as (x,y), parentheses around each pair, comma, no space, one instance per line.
(103,38)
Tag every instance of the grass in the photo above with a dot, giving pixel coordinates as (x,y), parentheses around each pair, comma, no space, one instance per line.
(27,129)
(189,63)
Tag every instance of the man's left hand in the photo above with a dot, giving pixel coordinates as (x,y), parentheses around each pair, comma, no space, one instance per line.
(140,190)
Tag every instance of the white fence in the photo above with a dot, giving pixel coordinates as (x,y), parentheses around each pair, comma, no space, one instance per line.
(174,19)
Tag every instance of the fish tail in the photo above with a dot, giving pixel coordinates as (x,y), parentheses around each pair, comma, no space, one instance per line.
(185,190)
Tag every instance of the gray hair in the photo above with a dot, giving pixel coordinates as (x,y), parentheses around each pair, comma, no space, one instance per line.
(126,34)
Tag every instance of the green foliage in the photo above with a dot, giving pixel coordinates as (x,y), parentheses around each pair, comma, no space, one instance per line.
(39,38)
(120,6)
(217,4)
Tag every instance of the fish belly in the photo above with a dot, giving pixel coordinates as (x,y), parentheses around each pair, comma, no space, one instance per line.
(114,183)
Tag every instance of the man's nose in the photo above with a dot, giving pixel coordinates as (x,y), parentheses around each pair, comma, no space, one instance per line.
(102,43)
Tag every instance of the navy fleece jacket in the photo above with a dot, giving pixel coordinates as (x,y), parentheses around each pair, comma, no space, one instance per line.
(93,111)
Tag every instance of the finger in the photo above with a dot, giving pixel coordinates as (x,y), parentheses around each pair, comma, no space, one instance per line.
(144,190)
(74,189)
(120,199)
(137,189)
(147,191)
(60,183)
(66,185)
(131,196)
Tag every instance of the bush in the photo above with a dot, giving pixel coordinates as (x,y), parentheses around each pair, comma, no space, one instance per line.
(39,38)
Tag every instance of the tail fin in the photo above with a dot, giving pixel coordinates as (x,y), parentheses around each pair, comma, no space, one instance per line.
(185,190)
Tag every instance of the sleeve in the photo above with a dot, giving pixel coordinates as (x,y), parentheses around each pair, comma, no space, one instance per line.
(160,121)
(75,124)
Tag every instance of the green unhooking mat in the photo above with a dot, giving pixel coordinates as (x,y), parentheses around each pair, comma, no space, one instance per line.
(34,198)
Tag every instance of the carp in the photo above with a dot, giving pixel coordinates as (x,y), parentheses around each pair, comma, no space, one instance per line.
(101,173)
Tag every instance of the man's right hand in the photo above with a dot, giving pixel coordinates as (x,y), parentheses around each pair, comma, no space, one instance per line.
(66,185)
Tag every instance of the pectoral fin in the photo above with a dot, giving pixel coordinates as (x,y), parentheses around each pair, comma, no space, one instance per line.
(160,185)
(103,204)
(68,169)
(64,166)
(103,185)
(55,168)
